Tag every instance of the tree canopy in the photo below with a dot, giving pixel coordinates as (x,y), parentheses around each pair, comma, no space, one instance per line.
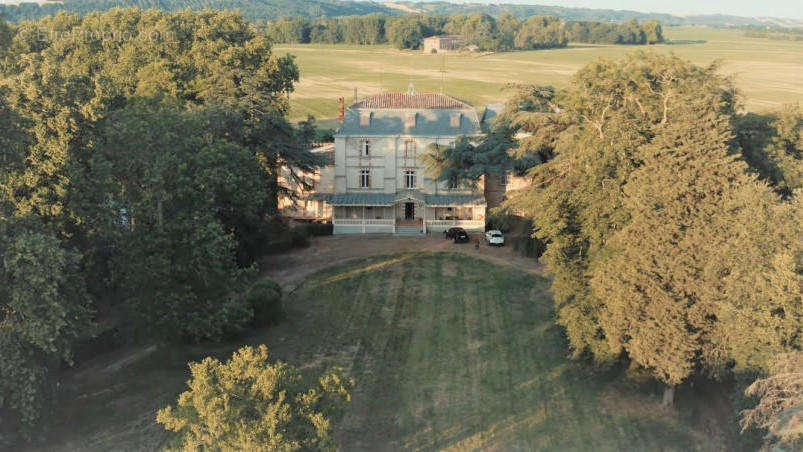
(661,243)
(251,403)
(138,183)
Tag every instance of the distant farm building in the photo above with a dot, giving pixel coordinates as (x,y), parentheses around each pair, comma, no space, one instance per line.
(442,43)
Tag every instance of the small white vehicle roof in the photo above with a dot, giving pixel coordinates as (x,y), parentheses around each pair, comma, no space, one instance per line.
(494,231)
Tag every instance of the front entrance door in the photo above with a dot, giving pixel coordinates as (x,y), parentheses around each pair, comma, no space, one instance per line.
(409,211)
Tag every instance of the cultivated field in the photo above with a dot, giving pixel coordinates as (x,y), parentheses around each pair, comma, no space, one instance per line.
(449,352)
(768,72)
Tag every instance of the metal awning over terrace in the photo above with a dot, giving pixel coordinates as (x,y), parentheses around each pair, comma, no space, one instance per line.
(356,199)
(454,200)
(388,199)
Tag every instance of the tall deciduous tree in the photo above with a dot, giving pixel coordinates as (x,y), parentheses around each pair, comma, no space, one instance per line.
(181,196)
(661,245)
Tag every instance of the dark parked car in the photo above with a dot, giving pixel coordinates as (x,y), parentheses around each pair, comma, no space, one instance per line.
(461,236)
(451,232)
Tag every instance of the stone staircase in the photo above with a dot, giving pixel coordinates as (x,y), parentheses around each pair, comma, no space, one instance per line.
(408,231)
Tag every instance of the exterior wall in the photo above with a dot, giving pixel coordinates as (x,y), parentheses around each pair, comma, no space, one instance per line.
(368,212)
(387,163)
(516,183)
(322,181)
(441,44)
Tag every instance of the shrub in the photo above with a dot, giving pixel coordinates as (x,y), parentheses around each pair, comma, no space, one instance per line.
(300,236)
(500,219)
(265,298)
(528,246)
(250,403)
(318,229)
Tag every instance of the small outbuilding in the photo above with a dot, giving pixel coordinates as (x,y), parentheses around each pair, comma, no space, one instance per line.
(442,43)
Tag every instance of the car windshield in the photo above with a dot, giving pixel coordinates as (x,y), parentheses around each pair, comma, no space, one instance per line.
(496,235)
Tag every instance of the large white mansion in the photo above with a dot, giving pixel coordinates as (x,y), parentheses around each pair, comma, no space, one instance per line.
(378,182)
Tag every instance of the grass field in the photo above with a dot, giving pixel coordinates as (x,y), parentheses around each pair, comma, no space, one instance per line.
(449,352)
(768,72)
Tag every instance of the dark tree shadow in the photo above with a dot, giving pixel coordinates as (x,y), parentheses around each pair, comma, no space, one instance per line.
(683,42)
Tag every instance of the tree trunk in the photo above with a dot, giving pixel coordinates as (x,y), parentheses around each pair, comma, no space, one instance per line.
(669,396)
(159,214)
(493,191)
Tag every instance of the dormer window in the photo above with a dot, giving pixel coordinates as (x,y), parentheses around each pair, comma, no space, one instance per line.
(365,118)
(409,120)
(455,120)
(365,148)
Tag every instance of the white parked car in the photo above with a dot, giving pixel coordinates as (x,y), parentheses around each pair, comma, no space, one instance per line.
(494,237)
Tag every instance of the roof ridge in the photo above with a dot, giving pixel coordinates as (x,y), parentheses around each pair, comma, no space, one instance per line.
(416,100)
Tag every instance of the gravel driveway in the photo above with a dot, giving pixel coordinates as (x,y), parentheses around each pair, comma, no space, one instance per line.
(288,267)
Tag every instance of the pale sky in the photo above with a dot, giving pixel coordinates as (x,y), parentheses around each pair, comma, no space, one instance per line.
(792,9)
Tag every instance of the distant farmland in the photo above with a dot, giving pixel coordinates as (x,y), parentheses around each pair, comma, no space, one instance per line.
(767,72)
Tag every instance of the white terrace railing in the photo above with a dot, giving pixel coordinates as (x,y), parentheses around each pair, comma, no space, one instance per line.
(390,224)
(360,222)
(347,222)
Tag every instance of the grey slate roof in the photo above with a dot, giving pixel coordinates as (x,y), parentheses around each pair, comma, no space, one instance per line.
(389,110)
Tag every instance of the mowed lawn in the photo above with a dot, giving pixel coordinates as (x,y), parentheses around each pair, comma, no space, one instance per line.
(768,72)
(448,352)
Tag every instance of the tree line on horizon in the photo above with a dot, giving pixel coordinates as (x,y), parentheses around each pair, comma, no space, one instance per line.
(503,33)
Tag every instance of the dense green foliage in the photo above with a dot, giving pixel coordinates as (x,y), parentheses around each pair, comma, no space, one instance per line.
(251,403)
(631,32)
(265,298)
(662,245)
(250,9)
(138,179)
(486,32)
(44,308)
(772,144)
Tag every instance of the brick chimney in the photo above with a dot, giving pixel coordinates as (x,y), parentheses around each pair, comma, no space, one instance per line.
(341,109)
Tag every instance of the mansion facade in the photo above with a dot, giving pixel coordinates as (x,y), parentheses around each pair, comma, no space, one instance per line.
(377,181)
